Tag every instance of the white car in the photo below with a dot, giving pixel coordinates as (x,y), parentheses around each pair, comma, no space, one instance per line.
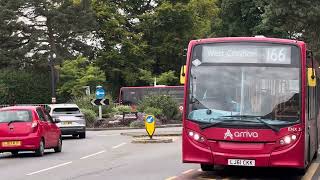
(72,120)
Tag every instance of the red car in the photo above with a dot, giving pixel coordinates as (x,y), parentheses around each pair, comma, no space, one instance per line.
(28,128)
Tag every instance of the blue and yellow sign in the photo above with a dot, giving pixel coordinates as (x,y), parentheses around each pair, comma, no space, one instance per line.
(149,122)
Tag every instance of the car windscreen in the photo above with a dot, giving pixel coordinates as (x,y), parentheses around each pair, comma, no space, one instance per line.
(71,110)
(15,115)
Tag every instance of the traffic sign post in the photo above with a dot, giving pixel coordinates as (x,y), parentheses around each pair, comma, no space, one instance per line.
(100,102)
(100,94)
(150,122)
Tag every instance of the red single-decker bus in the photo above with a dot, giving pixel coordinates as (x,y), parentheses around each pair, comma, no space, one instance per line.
(250,101)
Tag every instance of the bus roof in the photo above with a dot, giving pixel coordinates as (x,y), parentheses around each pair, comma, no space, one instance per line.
(249,39)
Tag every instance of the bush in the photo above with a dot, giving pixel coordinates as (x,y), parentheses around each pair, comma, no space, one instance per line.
(90,116)
(166,104)
(121,109)
(84,102)
(137,124)
(24,86)
(153,111)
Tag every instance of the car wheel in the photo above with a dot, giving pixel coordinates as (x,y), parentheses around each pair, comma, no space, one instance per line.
(58,148)
(207,167)
(15,153)
(40,150)
(82,135)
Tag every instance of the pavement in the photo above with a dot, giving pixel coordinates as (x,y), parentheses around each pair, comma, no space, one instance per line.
(108,155)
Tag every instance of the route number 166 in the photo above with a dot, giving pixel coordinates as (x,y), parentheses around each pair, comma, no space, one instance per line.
(277,55)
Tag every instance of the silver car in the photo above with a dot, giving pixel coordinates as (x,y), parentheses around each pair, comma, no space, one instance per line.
(72,120)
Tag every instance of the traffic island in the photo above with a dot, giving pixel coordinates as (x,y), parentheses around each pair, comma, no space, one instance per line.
(146,140)
(143,134)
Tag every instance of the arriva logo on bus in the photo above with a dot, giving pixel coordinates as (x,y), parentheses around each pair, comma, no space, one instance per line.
(244,134)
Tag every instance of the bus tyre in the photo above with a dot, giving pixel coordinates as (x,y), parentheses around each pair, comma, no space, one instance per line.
(316,154)
(207,167)
(301,172)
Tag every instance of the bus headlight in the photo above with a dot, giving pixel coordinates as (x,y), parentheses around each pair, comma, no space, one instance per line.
(288,139)
(196,136)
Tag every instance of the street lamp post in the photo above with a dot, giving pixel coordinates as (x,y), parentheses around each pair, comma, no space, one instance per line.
(53,90)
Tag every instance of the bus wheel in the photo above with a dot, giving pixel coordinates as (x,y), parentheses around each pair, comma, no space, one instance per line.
(207,167)
(316,154)
(301,172)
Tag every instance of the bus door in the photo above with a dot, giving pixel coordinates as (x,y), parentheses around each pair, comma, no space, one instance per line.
(311,110)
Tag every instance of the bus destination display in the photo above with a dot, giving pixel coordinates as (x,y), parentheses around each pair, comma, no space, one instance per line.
(238,53)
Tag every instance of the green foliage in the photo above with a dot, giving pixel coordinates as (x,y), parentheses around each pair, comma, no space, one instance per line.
(84,102)
(293,19)
(22,87)
(64,28)
(90,116)
(148,39)
(146,77)
(78,73)
(166,104)
(153,111)
(239,18)
(137,124)
(168,78)
(131,46)
(121,109)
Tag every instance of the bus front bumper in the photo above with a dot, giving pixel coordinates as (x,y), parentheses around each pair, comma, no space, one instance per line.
(209,153)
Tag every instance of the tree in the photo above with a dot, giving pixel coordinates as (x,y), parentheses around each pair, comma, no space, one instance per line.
(239,18)
(143,37)
(77,73)
(293,19)
(33,29)
(124,49)
(12,45)
(22,87)
(168,78)
(170,27)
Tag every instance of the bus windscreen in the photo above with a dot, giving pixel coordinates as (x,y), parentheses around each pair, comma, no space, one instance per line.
(240,79)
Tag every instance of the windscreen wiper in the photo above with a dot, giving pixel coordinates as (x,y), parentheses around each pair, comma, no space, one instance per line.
(205,126)
(274,128)
(14,121)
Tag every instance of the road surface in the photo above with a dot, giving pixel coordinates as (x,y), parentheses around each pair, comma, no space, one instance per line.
(108,155)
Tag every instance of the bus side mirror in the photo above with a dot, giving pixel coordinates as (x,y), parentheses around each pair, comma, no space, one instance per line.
(183,74)
(312,80)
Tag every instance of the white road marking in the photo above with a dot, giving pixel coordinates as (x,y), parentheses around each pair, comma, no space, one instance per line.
(107,135)
(100,152)
(188,171)
(171,178)
(53,167)
(117,146)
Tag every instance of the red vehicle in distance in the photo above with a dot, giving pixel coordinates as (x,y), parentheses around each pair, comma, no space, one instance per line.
(133,95)
(28,128)
(250,101)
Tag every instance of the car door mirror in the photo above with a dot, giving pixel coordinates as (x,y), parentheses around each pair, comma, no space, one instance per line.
(56,120)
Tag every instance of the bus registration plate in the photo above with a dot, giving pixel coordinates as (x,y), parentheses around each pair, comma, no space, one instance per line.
(241,162)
